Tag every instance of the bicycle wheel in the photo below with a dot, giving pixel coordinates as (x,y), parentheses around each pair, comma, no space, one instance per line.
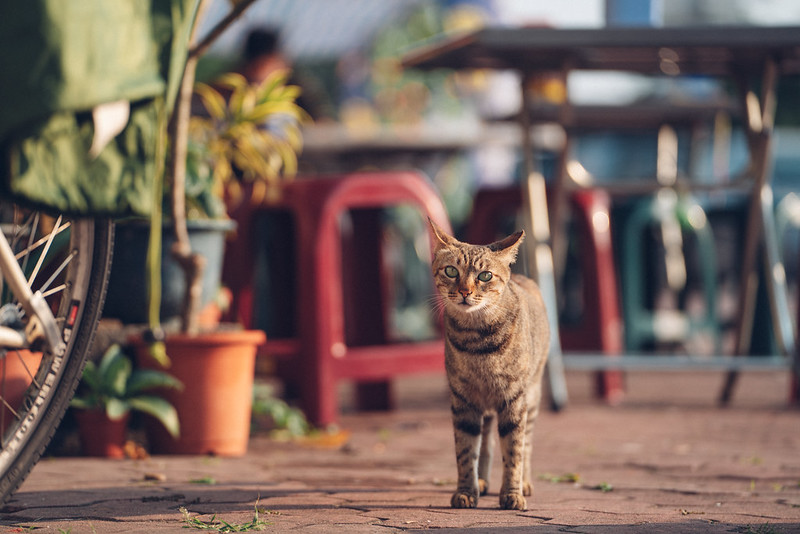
(68,261)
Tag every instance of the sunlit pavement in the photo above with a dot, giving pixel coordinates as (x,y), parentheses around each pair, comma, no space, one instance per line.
(666,460)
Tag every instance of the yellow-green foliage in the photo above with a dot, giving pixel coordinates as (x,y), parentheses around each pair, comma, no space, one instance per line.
(253,135)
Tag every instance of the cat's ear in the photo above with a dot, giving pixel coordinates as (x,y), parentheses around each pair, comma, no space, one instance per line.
(508,247)
(441,238)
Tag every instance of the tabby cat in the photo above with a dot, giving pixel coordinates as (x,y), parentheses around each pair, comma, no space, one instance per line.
(496,343)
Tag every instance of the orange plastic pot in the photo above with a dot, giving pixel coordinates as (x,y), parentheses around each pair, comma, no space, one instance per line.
(101,436)
(16,370)
(215,406)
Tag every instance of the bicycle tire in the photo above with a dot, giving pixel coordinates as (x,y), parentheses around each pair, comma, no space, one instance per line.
(77,308)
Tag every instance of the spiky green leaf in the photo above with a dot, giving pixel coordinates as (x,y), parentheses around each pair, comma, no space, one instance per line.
(145,379)
(116,409)
(159,408)
(115,368)
(88,402)
(91,376)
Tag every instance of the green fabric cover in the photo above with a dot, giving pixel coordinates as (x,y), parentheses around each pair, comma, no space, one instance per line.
(61,58)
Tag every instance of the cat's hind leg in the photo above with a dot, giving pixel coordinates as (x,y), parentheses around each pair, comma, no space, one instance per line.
(534,402)
(527,469)
(485,458)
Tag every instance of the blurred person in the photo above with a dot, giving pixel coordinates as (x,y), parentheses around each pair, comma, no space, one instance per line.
(262,55)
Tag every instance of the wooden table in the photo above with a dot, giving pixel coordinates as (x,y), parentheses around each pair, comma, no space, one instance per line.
(753,58)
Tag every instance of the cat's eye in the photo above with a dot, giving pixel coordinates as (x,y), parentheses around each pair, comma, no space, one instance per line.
(451,271)
(484,276)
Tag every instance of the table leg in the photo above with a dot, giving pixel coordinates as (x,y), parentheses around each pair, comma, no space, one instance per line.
(760,235)
(539,254)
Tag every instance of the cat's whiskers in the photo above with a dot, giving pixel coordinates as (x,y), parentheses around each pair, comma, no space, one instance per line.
(438,304)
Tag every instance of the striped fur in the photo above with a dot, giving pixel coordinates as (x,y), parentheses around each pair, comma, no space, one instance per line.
(496,343)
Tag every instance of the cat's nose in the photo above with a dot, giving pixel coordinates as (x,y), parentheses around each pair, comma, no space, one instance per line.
(465,292)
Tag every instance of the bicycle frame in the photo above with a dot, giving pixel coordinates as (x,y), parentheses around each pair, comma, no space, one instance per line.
(42,324)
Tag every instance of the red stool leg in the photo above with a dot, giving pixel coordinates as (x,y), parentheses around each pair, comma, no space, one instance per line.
(365,305)
(322,317)
(602,323)
(237,270)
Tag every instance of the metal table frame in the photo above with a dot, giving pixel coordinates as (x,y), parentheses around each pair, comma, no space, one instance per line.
(753,57)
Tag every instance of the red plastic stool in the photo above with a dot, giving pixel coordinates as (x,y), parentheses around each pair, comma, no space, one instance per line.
(600,327)
(341,312)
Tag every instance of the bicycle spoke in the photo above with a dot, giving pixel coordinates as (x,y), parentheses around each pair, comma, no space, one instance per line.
(55,290)
(34,223)
(28,371)
(43,254)
(33,246)
(53,277)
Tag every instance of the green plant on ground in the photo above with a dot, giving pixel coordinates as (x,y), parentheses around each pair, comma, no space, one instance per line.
(206,480)
(566,478)
(219,525)
(115,386)
(605,487)
(284,421)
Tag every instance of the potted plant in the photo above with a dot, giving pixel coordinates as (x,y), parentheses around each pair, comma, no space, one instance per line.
(229,147)
(109,391)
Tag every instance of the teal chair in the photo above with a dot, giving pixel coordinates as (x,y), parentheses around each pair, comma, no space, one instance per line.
(677,217)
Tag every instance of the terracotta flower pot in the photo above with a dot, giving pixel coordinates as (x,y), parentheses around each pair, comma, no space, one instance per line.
(101,436)
(215,405)
(15,377)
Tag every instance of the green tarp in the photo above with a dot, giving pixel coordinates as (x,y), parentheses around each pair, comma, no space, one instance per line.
(59,59)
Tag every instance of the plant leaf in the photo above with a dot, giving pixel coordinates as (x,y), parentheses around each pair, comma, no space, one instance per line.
(116,409)
(249,101)
(289,157)
(236,102)
(267,109)
(84,403)
(212,100)
(115,368)
(159,408)
(91,376)
(111,354)
(275,79)
(294,136)
(144,379)
(289,93)
(232,80)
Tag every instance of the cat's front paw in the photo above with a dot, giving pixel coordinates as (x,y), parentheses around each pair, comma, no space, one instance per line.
(513,501)
(483,486)
(463,500)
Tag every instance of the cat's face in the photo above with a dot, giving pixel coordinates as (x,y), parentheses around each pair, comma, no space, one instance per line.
(471,277)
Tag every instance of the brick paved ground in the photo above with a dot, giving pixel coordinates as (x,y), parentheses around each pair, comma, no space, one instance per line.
(668,460)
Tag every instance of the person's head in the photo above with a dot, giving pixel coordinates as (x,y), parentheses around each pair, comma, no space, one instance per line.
(262,54)
(261,42)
